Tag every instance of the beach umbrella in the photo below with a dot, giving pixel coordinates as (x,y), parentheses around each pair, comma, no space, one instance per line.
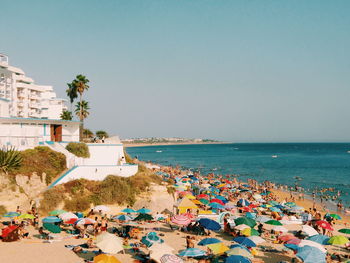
(335,216)
(101,208)
(128,210)
(292,246)
(123,218)
(26,216)
(103,258)
(321,239)
(239,252)
(169,258)
(85,221)
(324,224)
(181,220)
(151,238)
(209,224)
(249,232)
(311,255)
(338,240)
(275,209)
(312,244)
(309,230)
(143,211)
(192,252)
(344,230)
(144,217)
(229,205)
(218,248)
(109,243)
(262,219)
(53,228)
(216,206)
(51,219)
(280,229)
(216,200)
(257,196)
(250,215)
(57,212)
(290,204)
(68,215)
(208,241)
(7,230)
(11,214)
(286,237)
(245,220)
(243,202)
(257,240)
(240,246)
(237,259)
(71,221)
(241,227)
(244,241)
(158,250)
(273,222)
(294,241)
(202,196)
(204,201)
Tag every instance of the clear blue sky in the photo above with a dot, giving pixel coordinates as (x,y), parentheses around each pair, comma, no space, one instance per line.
(232,70)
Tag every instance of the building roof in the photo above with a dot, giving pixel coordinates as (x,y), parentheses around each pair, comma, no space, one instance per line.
(31,120)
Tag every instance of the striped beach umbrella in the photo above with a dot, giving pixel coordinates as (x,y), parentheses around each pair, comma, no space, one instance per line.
(85,221)
(181,220)
(169,258)
(11,214)
(192,252)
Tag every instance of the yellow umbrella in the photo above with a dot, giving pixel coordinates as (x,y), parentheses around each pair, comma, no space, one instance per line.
(218,248)
(204,212)
(197,202)
(189,196)
(103,258)
(249,232)
(220,185)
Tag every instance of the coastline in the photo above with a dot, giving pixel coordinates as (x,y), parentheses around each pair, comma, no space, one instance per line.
(128,145)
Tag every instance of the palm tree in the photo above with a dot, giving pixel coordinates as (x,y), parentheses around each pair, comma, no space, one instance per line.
(72,94)
(66,115)
(80,84)
(81,110)
(101,134)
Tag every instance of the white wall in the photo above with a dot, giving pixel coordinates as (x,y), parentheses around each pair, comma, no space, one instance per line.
(97,173)
(4,108)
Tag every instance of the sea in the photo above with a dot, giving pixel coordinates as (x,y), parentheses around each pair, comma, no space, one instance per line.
(312,166)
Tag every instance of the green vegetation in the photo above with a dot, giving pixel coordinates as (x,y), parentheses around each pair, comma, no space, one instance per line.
(79,195)
(40,160)
(88,133)
(66,115)
(82,109)
(79,149)
(10,159)
(101,134)
(128,158)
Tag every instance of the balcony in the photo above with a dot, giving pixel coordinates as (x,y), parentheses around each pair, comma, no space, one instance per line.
(34,105)
(20,114)
(34,114)
(21,95)
(20,104)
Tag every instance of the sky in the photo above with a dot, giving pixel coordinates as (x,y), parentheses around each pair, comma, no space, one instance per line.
(240,71)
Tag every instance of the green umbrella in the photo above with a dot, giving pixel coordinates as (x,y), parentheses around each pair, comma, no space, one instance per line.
(52,227)
(26,216)
(57,212)
(338,240)
(274,223)
(335,216)
(204,201)
(245,220)
(144,217)
(344,230)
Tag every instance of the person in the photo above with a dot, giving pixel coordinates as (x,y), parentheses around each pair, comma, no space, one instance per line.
(18,210)
(189,242)
(43,234)
(103,139)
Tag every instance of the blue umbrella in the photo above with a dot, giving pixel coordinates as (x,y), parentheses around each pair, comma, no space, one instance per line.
(216,205)
(143,211)
(192,252)
(237,259)
(209,224)
(240,246)
(321,239)
(250,215)
(123,217)
(275,209)
(51,219)
(292,246)
(151,238)
(243,202)
(223,199)
(11,214)
(208,241)
(79,215)
(311,255)
(244,241)
(128,210)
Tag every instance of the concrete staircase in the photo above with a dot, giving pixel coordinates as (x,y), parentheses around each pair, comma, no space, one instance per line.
(71,159)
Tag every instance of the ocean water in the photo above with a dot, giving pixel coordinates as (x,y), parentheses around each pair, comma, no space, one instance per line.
(319,165)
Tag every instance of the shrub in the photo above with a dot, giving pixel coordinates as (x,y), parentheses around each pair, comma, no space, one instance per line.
(51,199)
(101,134)
(10,159)
(128,158)
(79,149)
(41,160)
(78,204)
(2,210)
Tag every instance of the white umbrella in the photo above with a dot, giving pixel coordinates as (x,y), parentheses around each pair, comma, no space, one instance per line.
(280,229)
(101,208)
(309,230)
(158,250)
(312,244)
(241,227)
(109,243)
(257,239)
(257,197)
(66,216)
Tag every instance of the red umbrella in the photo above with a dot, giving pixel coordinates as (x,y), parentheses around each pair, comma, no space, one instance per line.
(295,241)
(6,231)
(216,200)
(247,209)
(324,224)
(71,221)
(204,196)
(253,205)
(286,237)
